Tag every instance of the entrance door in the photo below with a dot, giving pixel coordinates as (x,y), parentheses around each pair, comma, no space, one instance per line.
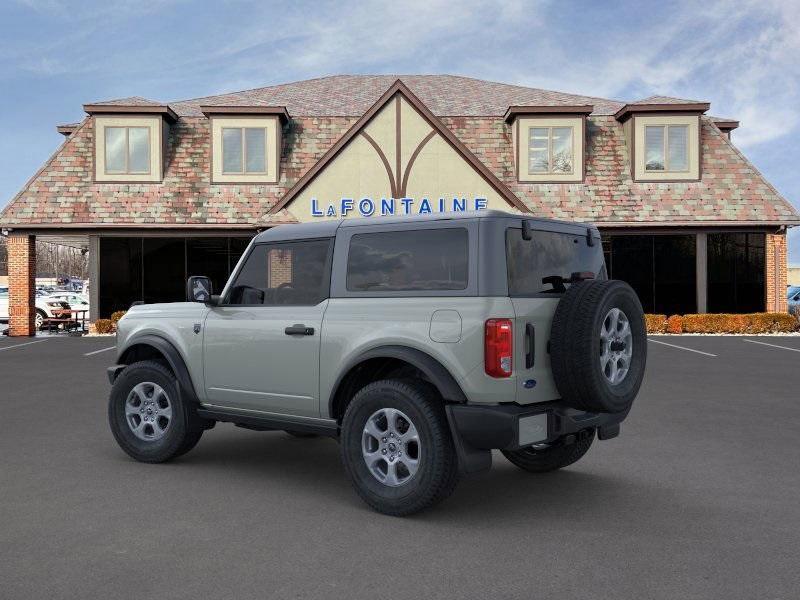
(261,345)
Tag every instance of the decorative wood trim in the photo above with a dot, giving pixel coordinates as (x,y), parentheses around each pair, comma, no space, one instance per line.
(630,109)
(412,158)
(384,160)
(279,111)
(131,109)
(515,111)
(399,87)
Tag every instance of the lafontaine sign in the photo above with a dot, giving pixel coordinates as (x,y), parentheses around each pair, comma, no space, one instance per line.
(369,207)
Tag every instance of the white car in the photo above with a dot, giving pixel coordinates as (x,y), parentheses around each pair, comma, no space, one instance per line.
(46,307)
(75,300)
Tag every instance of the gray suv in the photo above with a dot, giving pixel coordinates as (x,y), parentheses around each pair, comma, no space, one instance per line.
(421,344)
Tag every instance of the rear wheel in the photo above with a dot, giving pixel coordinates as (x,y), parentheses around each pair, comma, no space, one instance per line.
(397,448)
(39,318)
(148,417)
(560,454)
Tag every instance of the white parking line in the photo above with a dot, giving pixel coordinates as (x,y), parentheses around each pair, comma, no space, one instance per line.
(771,345)
(99,351)
(682,348)
(20,345)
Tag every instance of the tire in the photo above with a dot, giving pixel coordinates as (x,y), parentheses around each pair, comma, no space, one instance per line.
(598,364)
(436,473)
(556,456)
(39,319)
(164,438)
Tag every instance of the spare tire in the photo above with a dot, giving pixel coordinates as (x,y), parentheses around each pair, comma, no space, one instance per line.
(598,346)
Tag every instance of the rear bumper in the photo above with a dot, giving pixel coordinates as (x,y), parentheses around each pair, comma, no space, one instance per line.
(478,429)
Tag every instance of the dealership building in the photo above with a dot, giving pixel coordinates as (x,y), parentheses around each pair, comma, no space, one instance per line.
(159,191)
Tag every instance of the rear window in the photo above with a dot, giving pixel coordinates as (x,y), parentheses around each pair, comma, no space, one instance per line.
(547,254)
(399,261)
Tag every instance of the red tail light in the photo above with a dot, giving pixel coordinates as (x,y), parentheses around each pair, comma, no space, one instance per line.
(498,347)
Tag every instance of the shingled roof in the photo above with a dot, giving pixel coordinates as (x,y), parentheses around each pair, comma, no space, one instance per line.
(731,191)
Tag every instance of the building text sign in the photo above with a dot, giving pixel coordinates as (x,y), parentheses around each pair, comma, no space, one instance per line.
(369,207)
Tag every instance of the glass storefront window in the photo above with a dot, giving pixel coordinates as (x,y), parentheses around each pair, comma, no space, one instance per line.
(660,268)
(155,269)
(736,272)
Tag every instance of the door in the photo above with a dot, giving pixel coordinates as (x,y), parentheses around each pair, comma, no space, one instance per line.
(261,345)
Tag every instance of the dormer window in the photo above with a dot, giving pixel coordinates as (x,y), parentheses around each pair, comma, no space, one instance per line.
(548,142)
(245,143)
(666,148)
(129,140)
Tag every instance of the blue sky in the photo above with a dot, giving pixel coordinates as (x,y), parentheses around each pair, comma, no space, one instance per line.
(56,55)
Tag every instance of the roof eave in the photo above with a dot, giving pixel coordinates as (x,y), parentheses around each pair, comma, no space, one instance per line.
(630,109)
(131,109)
(279,111)
(576,109)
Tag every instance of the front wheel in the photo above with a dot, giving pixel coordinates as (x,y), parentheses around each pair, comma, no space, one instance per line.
(148,417)
(560,454)
(397,448)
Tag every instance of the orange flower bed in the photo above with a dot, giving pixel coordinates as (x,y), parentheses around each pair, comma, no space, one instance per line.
(752,323)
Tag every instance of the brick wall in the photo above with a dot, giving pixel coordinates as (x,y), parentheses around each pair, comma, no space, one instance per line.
(21,284)
(776,271)
(280,267)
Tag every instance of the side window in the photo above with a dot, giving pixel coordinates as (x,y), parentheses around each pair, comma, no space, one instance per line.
(284,274)
(432,259)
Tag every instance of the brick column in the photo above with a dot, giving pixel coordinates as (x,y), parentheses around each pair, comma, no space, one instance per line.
(21,284)
(775,273)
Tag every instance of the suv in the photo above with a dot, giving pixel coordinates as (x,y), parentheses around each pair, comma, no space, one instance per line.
(419,343)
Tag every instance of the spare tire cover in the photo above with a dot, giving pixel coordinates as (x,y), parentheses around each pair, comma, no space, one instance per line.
(598,346)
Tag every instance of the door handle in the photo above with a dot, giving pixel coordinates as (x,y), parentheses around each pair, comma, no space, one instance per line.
(299,329)
(530,345)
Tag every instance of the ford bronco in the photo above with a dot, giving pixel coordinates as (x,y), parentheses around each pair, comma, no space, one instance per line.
(421,344)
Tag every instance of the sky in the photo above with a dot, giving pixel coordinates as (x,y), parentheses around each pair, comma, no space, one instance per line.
(742,56)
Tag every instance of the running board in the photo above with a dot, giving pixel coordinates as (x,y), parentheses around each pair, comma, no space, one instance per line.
(260,422)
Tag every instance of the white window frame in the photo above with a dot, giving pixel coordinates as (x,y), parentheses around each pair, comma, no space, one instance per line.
(665,148)
(272,133)
(521,137)
(636,128)
(158,132)
(243,129)
(127,170)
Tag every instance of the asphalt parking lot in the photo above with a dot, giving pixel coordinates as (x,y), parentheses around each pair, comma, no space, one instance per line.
(698,498)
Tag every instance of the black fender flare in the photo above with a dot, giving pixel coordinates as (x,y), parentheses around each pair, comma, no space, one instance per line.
(174,359)
(434,370)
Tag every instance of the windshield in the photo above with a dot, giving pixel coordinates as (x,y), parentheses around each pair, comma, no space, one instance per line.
(545,263)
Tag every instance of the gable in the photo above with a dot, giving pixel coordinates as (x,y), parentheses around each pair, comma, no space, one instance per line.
(398,159)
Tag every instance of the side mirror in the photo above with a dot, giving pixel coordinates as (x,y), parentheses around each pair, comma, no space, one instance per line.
(199,289)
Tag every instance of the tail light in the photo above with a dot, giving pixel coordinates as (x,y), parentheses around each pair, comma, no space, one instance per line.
(498,347)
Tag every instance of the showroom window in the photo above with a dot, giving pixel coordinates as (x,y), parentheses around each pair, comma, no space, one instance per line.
(666,147)
(736,265)
(550,150)
(660,268)
(244,150)
(127,150)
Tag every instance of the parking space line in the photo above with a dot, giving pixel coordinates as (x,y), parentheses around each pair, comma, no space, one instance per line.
(20,345)
(99,351)
(681,348)
(771,345)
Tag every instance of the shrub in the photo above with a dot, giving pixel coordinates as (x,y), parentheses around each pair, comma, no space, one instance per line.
(675,324)
(747,323)
(103,326)
(116,316)
(656,323)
